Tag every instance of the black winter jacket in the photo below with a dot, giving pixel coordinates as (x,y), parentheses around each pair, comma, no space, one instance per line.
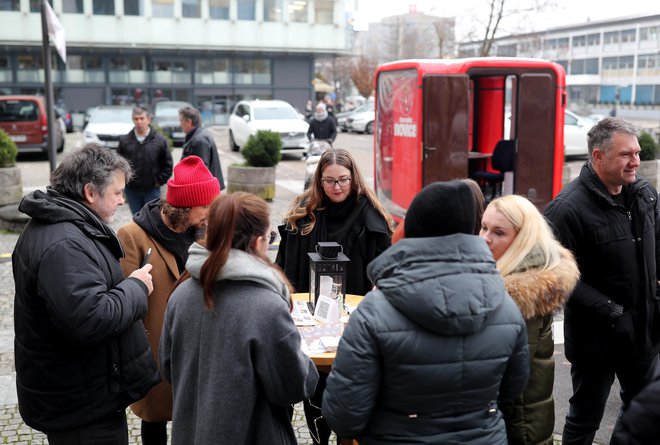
(640,424)
(425,357)
(368,237)
(325,129)
(200,143)
(151,160)
(616,249)
(80,348)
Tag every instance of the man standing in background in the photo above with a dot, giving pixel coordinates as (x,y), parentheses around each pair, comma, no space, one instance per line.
(199,142)
(150,157)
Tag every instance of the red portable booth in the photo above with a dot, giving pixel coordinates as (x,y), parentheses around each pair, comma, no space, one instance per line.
(438,120)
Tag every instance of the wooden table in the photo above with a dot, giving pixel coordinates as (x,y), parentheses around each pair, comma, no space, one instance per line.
(324,360)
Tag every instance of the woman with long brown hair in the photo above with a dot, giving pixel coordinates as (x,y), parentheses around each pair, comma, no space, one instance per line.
(338,206)
(229,346)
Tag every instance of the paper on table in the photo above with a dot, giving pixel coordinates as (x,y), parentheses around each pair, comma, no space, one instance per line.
(313,335)
(301,314)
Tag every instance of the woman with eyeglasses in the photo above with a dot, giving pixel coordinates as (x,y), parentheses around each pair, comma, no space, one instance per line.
(229,346)
(338,206)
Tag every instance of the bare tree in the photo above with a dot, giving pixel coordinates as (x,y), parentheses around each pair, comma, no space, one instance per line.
(494,19)
(362,75)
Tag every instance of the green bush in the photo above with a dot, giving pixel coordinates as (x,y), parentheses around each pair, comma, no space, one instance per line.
(263,149)
(8,150)
(649,147)
(160,131)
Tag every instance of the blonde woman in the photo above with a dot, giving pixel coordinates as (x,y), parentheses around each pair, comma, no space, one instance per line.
(539,274)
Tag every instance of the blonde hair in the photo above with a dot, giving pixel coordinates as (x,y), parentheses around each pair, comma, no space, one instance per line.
(535,243)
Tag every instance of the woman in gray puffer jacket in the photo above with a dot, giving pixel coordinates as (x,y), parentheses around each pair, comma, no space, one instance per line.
(428,354)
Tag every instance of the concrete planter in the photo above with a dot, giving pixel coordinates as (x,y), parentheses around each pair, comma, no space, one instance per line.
(11,185)
(650,170)
(257,180)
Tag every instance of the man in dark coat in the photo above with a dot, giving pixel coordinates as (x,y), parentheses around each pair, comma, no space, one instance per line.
(608,218)
(150,157)
(199,142)
(81,351)
(322,126)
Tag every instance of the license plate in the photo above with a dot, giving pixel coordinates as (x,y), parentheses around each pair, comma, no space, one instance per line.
(18,137)
(178,135)
(112,144)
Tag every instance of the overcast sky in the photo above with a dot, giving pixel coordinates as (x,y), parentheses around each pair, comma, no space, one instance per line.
(566,12)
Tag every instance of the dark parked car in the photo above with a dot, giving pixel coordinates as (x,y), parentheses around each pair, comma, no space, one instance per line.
(25,120)
(166,116)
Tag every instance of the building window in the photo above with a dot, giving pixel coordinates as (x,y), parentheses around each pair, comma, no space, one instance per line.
(212,71)
(579,41)
(84,69)
(611,37)
(219,9)
(550,44)
(171,71)
(591,66)
(104,7)
(72,6)
(506,50)
(252,71)
(562,43)
(162,8)
(626,62)
(644,95)
(563,63)
(577,66)
(246,9)
(10,5)
(298,11)
(628,35)
(29,68)
(128,69)
(133,7)
(5,69)
(191,8)
(593,39)
(272,10)
(649,33)
(35,5)
(610,63)
(324,11)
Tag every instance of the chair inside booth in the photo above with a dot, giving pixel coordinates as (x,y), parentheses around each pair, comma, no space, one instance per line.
(503,160)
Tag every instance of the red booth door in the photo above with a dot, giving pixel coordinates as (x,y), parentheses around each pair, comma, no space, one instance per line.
(445,130)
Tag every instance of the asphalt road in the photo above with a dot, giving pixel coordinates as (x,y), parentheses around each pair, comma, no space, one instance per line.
(290,174)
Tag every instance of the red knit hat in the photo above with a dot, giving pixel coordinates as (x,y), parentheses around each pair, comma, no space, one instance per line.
(193,185)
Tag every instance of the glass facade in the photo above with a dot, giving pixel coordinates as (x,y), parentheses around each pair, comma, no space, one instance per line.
(252,71)
(134,7)
(74,6)
(219,9)
(298,11)
(103,7)
(10,5)
(246,9)
(191,8)
(272,10)
(212,71)
(162,8)
(324,12)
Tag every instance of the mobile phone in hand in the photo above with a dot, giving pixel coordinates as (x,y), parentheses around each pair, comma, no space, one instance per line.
(145,260)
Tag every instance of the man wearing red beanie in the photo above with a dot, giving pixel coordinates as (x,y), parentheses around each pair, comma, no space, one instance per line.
(167,227)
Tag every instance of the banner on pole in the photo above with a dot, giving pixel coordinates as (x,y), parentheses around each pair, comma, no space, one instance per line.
(56,31)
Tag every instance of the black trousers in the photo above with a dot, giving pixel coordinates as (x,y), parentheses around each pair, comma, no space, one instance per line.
(591,387)
(110,431)
(154,433)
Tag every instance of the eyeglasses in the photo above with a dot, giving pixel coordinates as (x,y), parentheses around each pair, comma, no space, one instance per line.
(331,183)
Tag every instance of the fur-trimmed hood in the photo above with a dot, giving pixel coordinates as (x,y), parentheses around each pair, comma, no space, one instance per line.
(539,292)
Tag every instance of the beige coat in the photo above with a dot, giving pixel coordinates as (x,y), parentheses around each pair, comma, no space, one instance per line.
(157,405)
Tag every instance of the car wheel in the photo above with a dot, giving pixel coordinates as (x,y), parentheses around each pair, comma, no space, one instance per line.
(232,143)
(369,128)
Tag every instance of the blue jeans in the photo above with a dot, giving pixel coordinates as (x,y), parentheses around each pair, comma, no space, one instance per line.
(137,199)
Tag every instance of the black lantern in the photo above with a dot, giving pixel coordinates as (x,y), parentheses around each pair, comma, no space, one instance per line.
(327,272)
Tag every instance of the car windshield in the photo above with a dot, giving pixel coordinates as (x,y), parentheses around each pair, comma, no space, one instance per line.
(275,113)
(167,112)
(112,115)
(18,110)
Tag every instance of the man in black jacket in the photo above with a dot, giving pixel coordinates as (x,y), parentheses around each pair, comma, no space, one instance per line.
(199,142)
(80,347)
(608,217)
(322,126)
(150,157)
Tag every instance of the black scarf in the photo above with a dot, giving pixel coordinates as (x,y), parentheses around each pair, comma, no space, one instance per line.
(149,219)
(341,222)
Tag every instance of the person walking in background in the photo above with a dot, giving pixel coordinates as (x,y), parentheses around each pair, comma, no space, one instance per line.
(229,345)
(539,274)
(150,158)
(608,218)
(199,142)
(428,353)
(321,126)
(167,228)
(81,353)
(338,206)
